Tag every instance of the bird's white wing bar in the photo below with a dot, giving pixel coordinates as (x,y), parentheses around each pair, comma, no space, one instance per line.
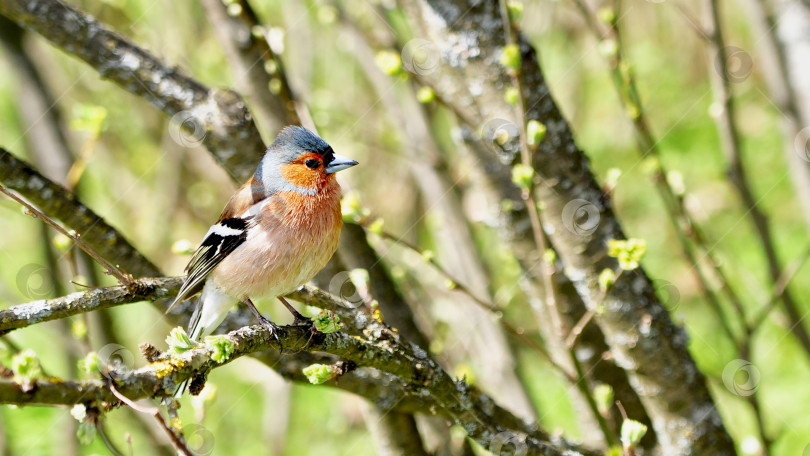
(221,239)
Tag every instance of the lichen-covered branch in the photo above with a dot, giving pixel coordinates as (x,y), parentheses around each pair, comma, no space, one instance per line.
(218,117)
(420,377)
(639,331)
(148,289)
(159,378)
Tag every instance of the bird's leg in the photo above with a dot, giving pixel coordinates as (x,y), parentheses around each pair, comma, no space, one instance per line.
(272,327)
(298,318)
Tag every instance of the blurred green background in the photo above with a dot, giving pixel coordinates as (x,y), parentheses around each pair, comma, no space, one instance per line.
(157,193)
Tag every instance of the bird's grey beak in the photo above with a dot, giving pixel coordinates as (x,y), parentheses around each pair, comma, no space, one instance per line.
(339,163)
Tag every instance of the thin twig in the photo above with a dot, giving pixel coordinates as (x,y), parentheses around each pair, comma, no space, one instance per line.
(488,306)
(123,278)
(779,288)
(575,332)
(730,141)
(685,227)
(177,442)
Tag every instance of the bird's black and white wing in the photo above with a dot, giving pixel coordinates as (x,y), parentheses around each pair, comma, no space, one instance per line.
(221,239)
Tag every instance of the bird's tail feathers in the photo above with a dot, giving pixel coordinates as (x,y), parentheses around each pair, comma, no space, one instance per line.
(211,309)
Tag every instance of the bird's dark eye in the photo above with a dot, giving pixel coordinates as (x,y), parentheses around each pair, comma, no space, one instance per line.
(312,163)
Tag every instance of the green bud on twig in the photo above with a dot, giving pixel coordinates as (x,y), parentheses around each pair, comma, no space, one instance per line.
(628,253)
(62,242)
(376,226)
(607,15)
(603,395)
(515,10)
(426,95)
(178,341)
(234,9)
(351,209)
(89,118)
(389,62)
(78,327)
(89,363)
(535,132)
(327,322)
(632,433)
(86,433)
(25,365)
(319,373)
(550,256)
(606,279)
(511,96)
(221,347)
(522,176)
(510,57)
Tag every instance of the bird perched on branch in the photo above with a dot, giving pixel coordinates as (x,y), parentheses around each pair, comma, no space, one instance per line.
(278,230)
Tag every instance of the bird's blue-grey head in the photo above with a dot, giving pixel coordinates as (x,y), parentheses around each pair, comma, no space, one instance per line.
(290,144)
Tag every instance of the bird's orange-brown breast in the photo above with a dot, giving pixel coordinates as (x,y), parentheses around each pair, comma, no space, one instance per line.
(297,235)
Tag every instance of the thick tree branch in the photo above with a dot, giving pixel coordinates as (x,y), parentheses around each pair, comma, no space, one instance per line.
(55,201)
(412,365)
(640,333)
(248,51)
(218,117)
(424,386)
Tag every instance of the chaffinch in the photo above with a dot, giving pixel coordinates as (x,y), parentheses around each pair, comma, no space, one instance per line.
(278,230)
